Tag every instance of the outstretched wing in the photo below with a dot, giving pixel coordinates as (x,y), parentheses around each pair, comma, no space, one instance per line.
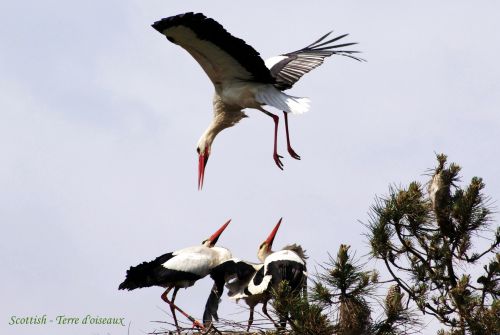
(221,55)
(230,269)
(287,69)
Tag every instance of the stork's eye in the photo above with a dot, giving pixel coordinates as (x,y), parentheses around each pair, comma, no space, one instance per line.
(262,245)
(198,150)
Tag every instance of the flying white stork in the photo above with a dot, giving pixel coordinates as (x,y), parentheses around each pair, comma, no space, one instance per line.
(241,77)
(178,269)
(254,282)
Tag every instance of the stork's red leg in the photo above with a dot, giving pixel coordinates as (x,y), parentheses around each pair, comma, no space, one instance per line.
(289,147)
(171,304)
(195,322)
(275,153)
(164,295)
(172,309)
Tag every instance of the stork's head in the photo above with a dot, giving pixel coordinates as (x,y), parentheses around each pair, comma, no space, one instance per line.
(203,149)
(210,242)
(265,247)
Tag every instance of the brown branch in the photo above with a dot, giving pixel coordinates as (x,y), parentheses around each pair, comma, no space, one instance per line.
(404,286)
(411,250)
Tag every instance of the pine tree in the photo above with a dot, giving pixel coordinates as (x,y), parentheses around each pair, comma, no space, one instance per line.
(425,240)
(345,291)
(344,287)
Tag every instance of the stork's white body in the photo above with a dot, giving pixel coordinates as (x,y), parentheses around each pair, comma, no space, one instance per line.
(197,260)
(278,256)
(244,94)
(240,93)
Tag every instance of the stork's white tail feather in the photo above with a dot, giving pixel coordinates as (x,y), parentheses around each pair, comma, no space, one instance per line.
(271,96)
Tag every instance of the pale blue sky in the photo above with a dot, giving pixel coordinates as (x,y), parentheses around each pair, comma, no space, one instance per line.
(100,116)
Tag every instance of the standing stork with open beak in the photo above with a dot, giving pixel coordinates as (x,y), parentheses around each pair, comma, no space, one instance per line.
(254,282)
(178,269)
(241,77)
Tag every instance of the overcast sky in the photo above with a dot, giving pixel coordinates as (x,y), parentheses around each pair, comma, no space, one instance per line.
(100,116)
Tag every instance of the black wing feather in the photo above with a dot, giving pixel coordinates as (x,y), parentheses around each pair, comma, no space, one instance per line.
(153,273)
(209,30)
(145,274)
(329,41)
(212,305)
(221,274)
(320,39)
(289,70)
(292,272)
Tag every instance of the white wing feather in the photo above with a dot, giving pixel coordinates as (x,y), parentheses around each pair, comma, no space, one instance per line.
(271,96)
(217,64)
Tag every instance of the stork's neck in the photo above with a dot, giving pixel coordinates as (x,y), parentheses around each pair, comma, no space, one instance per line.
(209,135)
(225,116)
(263,253)
(207,138)
(221,254)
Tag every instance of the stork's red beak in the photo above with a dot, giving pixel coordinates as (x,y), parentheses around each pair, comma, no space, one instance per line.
(202,163)
(270,238)
(213,239)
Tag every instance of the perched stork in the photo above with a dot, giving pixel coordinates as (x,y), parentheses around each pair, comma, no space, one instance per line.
(241,77)
(254,282)
(178,269)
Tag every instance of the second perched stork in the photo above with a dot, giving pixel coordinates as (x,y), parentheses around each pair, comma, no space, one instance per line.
(178,269)
(254,282)
(241,77)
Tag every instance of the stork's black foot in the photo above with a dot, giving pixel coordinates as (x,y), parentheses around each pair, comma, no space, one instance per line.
(293,153)
(277,160)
